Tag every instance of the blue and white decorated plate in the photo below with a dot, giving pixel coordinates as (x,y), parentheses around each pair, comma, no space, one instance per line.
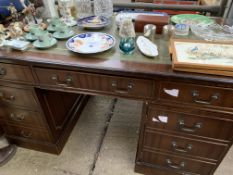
(91,42)
(93,22)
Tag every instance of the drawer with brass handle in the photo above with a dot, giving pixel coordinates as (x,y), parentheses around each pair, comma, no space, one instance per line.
(177,164)
(17,96)
(196,94)
(27,133)
(17,73)
(67,82)
(22,117)
(190,124)
(195,148)
(97,83)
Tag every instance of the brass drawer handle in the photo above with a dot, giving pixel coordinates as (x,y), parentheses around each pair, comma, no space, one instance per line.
(25,135)
(122,91)
(175,166)
(68,82)
(17,118)
(8,99)
(182,126)
(182,150)
(2,71)
(195,95)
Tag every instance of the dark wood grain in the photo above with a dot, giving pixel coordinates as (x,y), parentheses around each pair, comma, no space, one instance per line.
(184,146)
(17,73)
(17,97)
(196,94)
(99,83)
(210,128)
(191,166)
(22,117)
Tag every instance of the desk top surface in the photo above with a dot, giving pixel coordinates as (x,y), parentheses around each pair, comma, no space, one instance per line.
(110,61)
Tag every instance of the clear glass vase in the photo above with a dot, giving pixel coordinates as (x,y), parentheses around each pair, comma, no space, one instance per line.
(103,8)
(84,8)
(127,45)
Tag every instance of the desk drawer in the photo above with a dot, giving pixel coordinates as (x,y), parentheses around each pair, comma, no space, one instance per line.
(175,163)
(183,146)
(17,96)
(22,117)
(196,94)
(183,123)
(121,86)
(27,133)
(14,72)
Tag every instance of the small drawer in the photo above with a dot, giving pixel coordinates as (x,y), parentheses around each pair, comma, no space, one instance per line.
(197,125)
(178,164)
(22,117)
(183,146)
(17,96)
(114,85)
(196,94)
(14,72)
(27,133)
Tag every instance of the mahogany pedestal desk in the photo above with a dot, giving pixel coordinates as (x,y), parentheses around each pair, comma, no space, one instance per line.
(186,125)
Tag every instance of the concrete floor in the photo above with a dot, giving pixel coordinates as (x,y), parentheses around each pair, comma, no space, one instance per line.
(103,142)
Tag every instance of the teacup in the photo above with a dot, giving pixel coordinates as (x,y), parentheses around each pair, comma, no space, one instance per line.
(62,29)
(35,29)
(54,22)
(44,38)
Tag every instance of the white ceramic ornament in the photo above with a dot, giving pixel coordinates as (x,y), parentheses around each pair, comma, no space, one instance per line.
(147,47)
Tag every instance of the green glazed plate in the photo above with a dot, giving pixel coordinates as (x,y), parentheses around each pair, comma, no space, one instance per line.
(191,19)
(38,44)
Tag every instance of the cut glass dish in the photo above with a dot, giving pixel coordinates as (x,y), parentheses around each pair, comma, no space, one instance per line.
(213,32)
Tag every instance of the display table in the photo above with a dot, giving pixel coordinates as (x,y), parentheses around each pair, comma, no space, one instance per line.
(184,129)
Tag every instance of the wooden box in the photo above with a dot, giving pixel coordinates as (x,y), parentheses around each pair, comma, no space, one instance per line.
(159,21)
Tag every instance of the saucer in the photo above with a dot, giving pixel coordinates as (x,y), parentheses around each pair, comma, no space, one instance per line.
(38,44)
(59,35)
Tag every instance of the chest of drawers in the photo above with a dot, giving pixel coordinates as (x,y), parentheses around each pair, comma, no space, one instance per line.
(27,115)
(187,130)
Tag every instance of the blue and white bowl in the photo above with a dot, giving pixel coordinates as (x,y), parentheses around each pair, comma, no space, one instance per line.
(93,22)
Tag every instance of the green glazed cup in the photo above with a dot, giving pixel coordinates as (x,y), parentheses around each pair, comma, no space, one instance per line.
(62,29)
(35,29)
(54,22)
(44,38)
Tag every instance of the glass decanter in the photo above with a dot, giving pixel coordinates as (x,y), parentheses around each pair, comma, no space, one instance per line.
(103,8)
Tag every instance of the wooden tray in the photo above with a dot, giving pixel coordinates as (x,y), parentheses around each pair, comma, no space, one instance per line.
(189,62)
